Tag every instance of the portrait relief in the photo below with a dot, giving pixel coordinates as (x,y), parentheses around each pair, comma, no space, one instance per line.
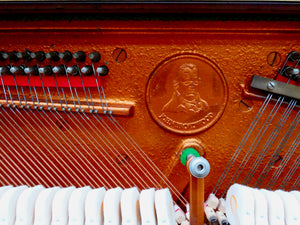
(186,94)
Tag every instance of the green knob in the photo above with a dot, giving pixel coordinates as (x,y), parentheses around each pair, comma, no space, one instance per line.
(186,152)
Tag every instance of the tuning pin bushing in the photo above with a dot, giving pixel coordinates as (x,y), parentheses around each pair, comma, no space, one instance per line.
(87,70)
(1,56)
(73,70)
(290,71)
(31,70)
(24,55)
(47,70)
(95,57)
(59,70)
(39,56)
(17,70)
(102,70)
(53,56)
(79,56)
(11,56)
(294,56)
(5,70)
(65,56)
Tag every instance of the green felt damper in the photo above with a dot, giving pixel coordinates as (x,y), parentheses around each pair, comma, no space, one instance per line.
(186,152)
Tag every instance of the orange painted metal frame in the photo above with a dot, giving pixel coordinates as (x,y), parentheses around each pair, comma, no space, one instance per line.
(239,48)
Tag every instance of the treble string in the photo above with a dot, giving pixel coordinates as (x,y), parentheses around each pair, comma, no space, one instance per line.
(254,144)
(290,174)
(277,151)
(296,184)
(268,143)
(242,143)
(284,162)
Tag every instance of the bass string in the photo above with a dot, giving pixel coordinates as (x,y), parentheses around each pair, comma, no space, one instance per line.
(115,152)
(90,164)
(109,148)
(148,161)
(111,175)
(11,165)
(4,181)
(45,158)
(66,152)
(18,156)
(72,149)
(40,158)
(87,135)
(136,147)
(51,148)
(37,132)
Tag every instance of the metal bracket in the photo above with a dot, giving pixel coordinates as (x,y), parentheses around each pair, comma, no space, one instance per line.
(276,87)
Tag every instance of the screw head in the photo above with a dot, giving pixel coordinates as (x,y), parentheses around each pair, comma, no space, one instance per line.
(271,85)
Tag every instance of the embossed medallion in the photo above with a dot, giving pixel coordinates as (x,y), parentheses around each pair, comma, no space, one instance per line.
(186,93)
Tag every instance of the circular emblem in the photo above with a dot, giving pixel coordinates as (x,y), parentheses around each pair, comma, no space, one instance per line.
(186,93)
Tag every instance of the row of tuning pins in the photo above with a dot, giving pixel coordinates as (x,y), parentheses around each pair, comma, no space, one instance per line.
(54,57)
(292,72)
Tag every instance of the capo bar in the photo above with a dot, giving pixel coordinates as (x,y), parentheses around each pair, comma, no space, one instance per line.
(276,87)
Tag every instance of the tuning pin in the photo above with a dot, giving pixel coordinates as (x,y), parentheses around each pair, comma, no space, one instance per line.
(53,56)
(73,70)
(87,70)
(17,70)
(11,56)
(2,56)
(290,71)
(24,55)
(294,56)
(47,70)
(5,70)
(39,56)
(65,56)
(31,70)
(94,57)
(59,69)
(79,56)
(102,70)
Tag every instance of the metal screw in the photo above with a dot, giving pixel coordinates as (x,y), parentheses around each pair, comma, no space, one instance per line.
(273,59)
(119,55)
(271,85)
